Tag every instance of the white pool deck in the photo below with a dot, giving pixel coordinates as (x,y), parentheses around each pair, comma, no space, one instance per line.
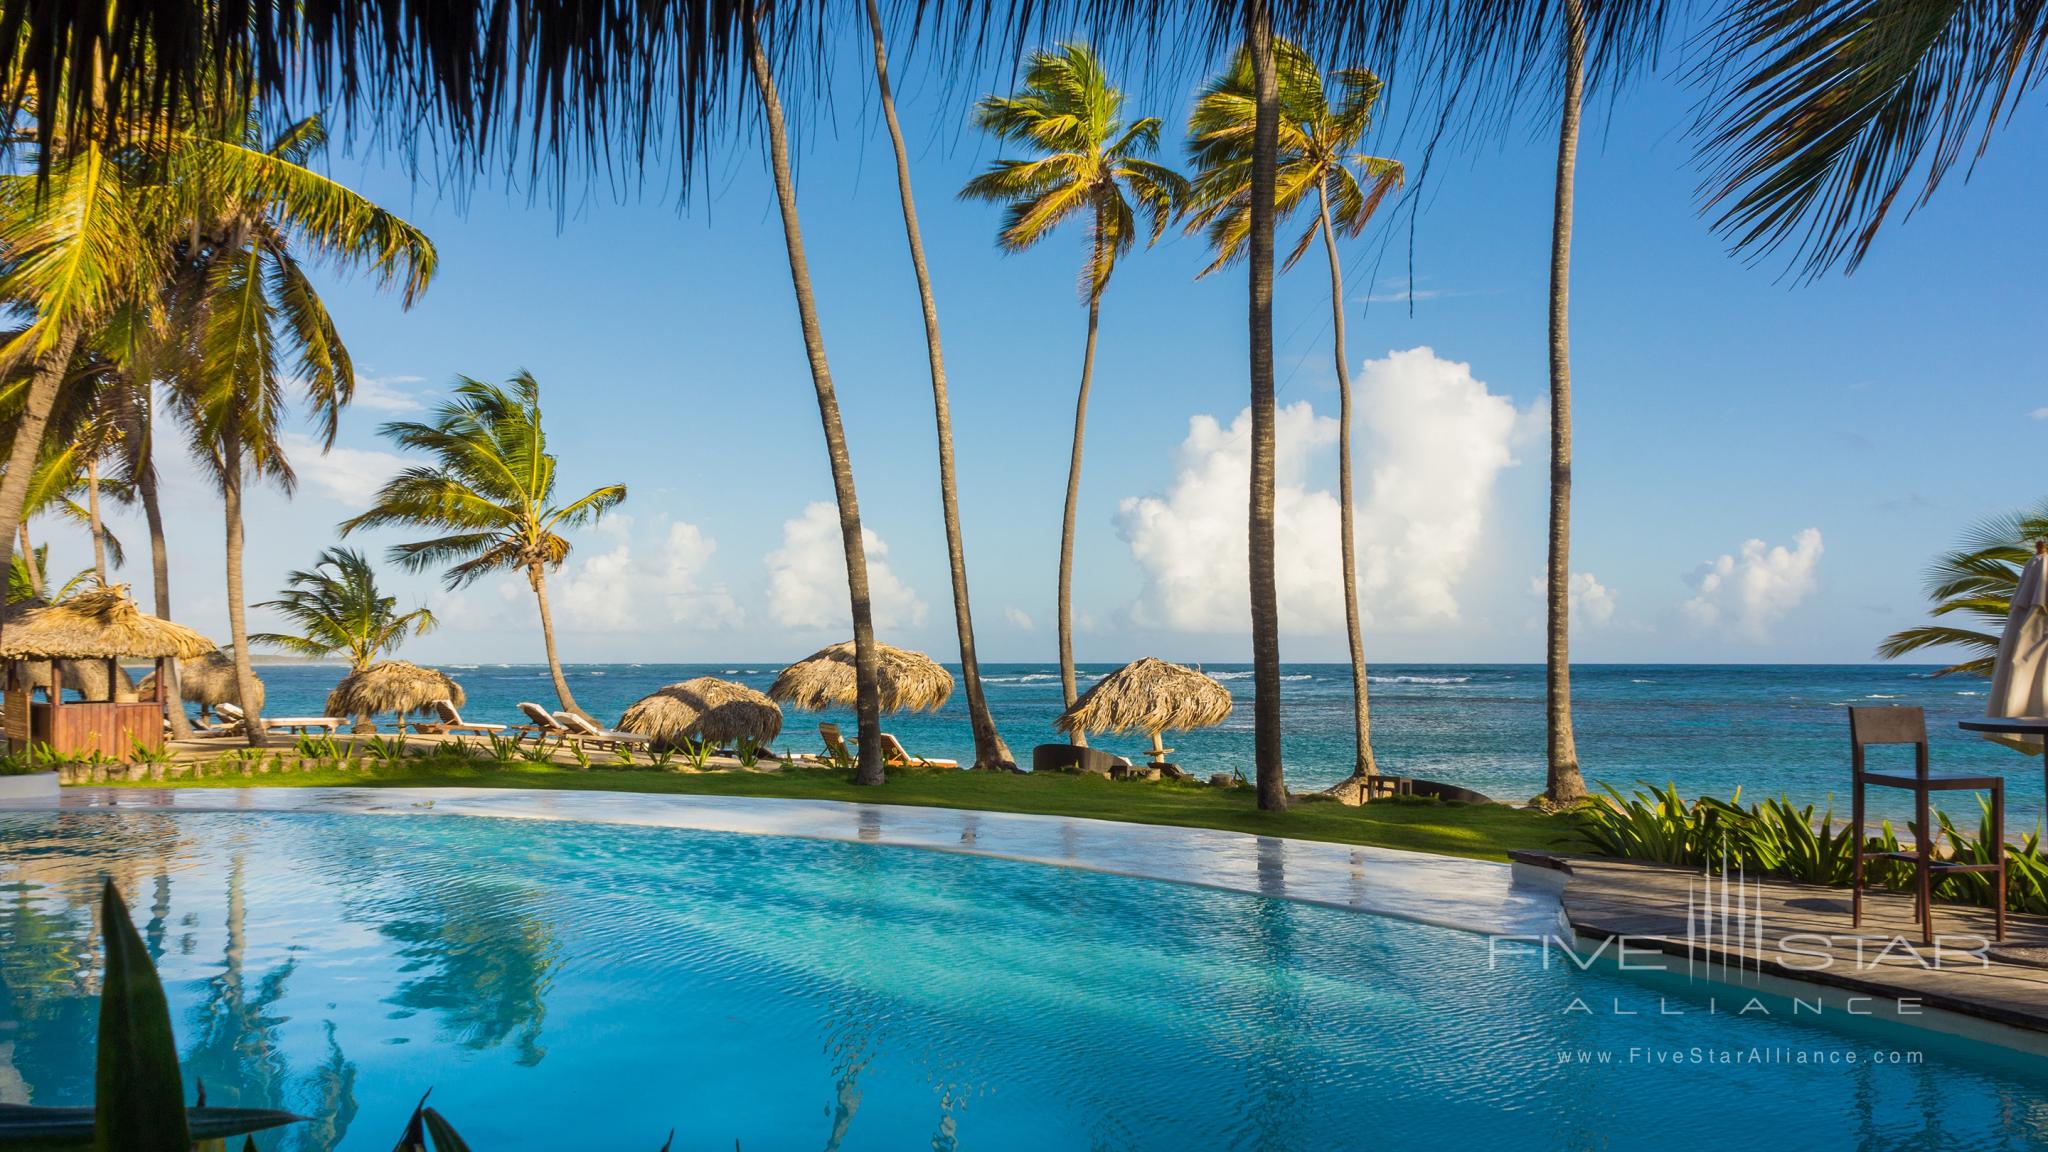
(1471,895)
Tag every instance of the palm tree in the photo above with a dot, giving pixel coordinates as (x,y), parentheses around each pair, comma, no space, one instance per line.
(244,295)
(866,657)
(491,489)
(1976,580)
(1317,153)
(59,481)
(340,612)
(1269,771)
(74,246)
(1089,160)
(989,750)
(1564,783)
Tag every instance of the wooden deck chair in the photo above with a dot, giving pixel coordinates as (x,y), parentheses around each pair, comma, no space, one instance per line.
(447,718)
(894,755)
(837,754)
(584,732)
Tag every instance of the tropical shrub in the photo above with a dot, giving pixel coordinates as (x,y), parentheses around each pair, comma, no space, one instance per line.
(1779,840)
(1657,826)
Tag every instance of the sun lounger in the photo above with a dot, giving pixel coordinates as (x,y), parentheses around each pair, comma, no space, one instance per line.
(237,721)
(894,755)
(327,724)
(584,732)
(539,723)
(201,726)
(449,719)
(837,753)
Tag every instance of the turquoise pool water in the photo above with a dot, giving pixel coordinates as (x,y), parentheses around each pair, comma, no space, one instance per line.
(585,986)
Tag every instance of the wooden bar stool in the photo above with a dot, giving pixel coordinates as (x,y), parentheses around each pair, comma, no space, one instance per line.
(1874,726)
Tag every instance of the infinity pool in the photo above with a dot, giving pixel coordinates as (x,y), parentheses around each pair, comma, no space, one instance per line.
(586,986)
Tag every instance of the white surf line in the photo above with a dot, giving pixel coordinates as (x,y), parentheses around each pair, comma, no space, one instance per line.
(1447,891)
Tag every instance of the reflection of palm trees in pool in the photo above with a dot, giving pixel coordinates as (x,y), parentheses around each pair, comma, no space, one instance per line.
(1275,1098)
(46,1040)
(486,958)
(235,1046)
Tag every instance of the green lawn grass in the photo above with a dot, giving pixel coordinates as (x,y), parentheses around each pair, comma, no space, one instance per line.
(1483,831)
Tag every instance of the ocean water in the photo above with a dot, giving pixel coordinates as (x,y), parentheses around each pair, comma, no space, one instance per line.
(585,986)
(1769,730)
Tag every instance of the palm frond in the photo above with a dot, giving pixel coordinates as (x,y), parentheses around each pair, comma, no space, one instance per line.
(1830,116)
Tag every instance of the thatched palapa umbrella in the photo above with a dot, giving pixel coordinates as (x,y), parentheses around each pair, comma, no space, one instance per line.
(1149,696)
(208,681)
(704,709)
(396,686)
(910,681)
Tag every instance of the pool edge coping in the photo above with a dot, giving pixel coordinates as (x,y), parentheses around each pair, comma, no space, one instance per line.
(1533,897)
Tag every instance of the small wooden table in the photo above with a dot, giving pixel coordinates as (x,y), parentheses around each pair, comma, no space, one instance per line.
(2013,726)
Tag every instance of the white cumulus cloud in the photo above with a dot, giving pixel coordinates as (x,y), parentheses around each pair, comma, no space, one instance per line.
(349,476)
(1589,602)
(1746,593)
(807,577)
(1018,618)
(387,393)
(1432,442)
(621,591)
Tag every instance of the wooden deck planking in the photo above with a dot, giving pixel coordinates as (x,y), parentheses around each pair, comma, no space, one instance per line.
(1647,905)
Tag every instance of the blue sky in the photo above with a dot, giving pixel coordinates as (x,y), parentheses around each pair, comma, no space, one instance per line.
(1763,469)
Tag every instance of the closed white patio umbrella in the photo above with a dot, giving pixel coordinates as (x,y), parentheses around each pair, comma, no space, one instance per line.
(2019,677)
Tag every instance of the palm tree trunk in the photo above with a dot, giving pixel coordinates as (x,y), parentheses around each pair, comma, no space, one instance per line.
(537,576)
(990,752)
(1067,522)
(28,444)
(160,574)
(238,613)
(92,509)
(28,562)
(1271,777)
(1361,713)
(1565,784)
(866,671)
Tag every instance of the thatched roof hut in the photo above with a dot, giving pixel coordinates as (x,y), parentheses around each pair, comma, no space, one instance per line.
(88,678)
(207,681)
(1148,696)
(706,708)
(396,686)
(910,681)
(96,625)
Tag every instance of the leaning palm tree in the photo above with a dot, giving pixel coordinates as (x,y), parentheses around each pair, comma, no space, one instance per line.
(340,611)
(1976,580)
(491,490)
(73,245)
(1089,160)
(244,295)
(867,657)
(1317,155)
(989,750)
